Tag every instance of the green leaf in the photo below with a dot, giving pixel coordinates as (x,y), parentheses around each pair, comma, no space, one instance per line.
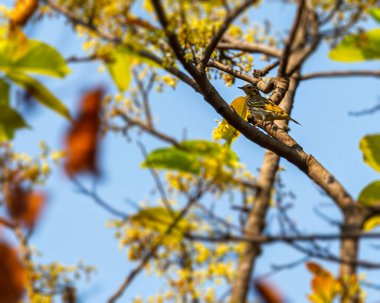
(208,149)
(119,63)
(31,56)
(119,66)
(370,147)
(39,92)
(370,195)
(4,92)
(188,156)
(359,47)
(375,13)
(173,158)
(226,131)
(10,120)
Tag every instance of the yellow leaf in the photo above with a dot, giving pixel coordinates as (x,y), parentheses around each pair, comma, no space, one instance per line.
(226,131)
(371,223)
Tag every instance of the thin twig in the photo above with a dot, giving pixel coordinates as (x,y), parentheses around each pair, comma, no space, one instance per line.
(369,111)
(146,128)
(128,280)
(333,74)
(267,239)
(223,28)
(157,180)
(83,190)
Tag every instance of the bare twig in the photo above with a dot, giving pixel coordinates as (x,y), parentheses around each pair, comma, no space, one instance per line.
(369,111)
(144,95)
(147,128)
(333,74)
(133,274)
(157,180)
(103,204)
(268,239)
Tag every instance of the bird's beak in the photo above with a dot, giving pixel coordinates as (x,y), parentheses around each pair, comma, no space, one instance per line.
(241,87)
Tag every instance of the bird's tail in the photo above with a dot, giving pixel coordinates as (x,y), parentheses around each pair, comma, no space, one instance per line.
(295,121)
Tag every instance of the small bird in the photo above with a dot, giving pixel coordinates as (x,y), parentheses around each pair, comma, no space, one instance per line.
(261,109)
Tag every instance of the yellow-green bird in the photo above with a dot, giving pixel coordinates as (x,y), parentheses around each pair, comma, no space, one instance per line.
(262,109)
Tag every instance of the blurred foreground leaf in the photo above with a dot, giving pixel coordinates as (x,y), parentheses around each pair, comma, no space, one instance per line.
(375,13)
(4,92)
(82,139)
(31,56)
(10,121)
(40,93)
(12,275)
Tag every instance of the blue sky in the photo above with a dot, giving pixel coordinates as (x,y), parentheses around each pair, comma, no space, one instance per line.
(73,227)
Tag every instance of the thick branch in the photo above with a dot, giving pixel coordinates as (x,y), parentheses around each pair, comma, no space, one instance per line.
(286,53)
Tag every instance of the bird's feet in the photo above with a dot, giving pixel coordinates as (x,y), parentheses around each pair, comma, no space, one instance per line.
(253,121)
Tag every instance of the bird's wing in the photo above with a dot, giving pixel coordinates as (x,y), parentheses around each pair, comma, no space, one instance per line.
(270,106)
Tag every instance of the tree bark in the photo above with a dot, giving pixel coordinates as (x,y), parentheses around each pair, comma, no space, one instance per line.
(349,250)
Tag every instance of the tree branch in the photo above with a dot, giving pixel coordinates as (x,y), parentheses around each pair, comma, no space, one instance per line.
(128,280)
(286,53)
(348,73)
(231,16)
(267,239)
(234,44)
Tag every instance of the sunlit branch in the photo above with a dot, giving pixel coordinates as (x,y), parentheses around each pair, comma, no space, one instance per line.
(249,47)
(286,52)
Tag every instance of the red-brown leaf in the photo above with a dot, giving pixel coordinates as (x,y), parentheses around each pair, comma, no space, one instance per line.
(12,275)
(83,138)
(267,292)
(24,206)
